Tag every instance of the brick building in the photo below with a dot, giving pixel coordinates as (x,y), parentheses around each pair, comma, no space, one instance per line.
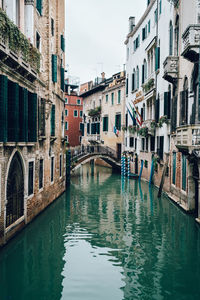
(74,127)
(31,110)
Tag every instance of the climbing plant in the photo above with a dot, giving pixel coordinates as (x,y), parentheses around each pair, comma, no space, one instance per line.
(17,41)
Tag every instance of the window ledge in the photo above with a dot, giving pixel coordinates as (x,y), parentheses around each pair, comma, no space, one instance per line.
(42,138)
(53,138)
(20,144)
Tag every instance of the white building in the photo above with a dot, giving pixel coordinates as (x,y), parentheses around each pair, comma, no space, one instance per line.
(148,94)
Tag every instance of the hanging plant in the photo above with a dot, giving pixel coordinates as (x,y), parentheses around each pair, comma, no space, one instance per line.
(153,124)
(149,85)
(163,120)
(143,131)
(94,112)
(132,128)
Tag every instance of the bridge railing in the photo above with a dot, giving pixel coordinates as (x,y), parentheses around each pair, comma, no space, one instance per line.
(81,151)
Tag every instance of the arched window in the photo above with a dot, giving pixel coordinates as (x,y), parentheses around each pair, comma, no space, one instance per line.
(176,33)
(138,77)
(184,103)
(145,69)
(15,191)
(170,38)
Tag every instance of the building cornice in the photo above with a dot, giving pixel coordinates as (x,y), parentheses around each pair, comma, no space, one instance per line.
(140,21)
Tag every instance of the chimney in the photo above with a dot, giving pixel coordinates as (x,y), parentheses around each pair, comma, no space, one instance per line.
(131,23)
(103,76)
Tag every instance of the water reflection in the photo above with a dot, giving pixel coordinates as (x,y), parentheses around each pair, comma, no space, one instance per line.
(106,238)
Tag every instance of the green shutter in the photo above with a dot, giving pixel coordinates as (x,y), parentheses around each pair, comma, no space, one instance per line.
(23,115)
(98,128)
(62,78)
(119,123)
(82,128)
(174,168)
(3,107)
(184,172)
(88,128)
(32,117)
(157,58)
(53,120)
(39,6)
(54,68)
(13,111)
(105,123)
(62,42)
(119,96)
(157,110)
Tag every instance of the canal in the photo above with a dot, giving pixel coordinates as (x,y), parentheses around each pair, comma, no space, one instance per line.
(105,238)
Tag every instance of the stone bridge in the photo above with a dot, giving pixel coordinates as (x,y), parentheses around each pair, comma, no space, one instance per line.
(83,154)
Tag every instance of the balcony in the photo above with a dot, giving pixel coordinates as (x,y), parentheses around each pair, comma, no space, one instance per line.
(191,42)
(94,138)
(170,66)
(149,125)
(188,137)
(16,51)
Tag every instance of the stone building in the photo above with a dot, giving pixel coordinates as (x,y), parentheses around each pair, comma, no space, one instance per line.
(103,110)
(74,126)
(182,70)
(31,110)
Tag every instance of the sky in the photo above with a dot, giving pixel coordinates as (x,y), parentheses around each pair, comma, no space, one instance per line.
(95,35)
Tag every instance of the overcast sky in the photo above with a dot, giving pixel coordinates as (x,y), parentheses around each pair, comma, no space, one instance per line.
(95,35)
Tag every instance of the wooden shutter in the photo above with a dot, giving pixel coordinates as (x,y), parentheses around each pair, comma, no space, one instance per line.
(53,120)
(23,115)
(157,58)
(184,172)
(167,104)
(13,111)
(3,107)
(62,42)
(39,6)
(54,68)
(42,117)
(62,79)
(157,110)
(32,117)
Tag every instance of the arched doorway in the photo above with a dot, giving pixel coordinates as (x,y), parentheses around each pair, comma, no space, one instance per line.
(15,191)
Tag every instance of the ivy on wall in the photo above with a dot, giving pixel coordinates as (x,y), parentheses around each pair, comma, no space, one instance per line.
(17,41)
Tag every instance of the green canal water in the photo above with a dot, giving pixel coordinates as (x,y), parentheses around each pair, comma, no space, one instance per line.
(104,239)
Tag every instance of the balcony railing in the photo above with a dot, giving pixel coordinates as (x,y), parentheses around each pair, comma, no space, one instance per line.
(94,138)
(170,66)
(188,136)
(191,42)
(151,129)
(15,49)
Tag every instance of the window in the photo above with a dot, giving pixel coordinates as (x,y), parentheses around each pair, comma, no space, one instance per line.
(157,58)
(118,121)
(131,143)
(60,165)
(144,33)
(135,143)
(80,139)
(170,38)
(147,144)
(82,128)
(39,6)
(105,123)
(53,120)
(146,164)
(81,113)
(138,79)
(119,97)
(52,169)
(41,173)
(133,80)
(106,98)
(62,42)
(66,112)
(149,26)
(184,103)
(176,36)
(52,27)
(66,100)
(66,125)
(152,144)
(142,144)
(160,146)
(160,7)
(75,113)
(112,98)
(30,177)
(54,67)
(127,86)
(174,168)
(88,128)
(78,101)
(156,16)
(37,41)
